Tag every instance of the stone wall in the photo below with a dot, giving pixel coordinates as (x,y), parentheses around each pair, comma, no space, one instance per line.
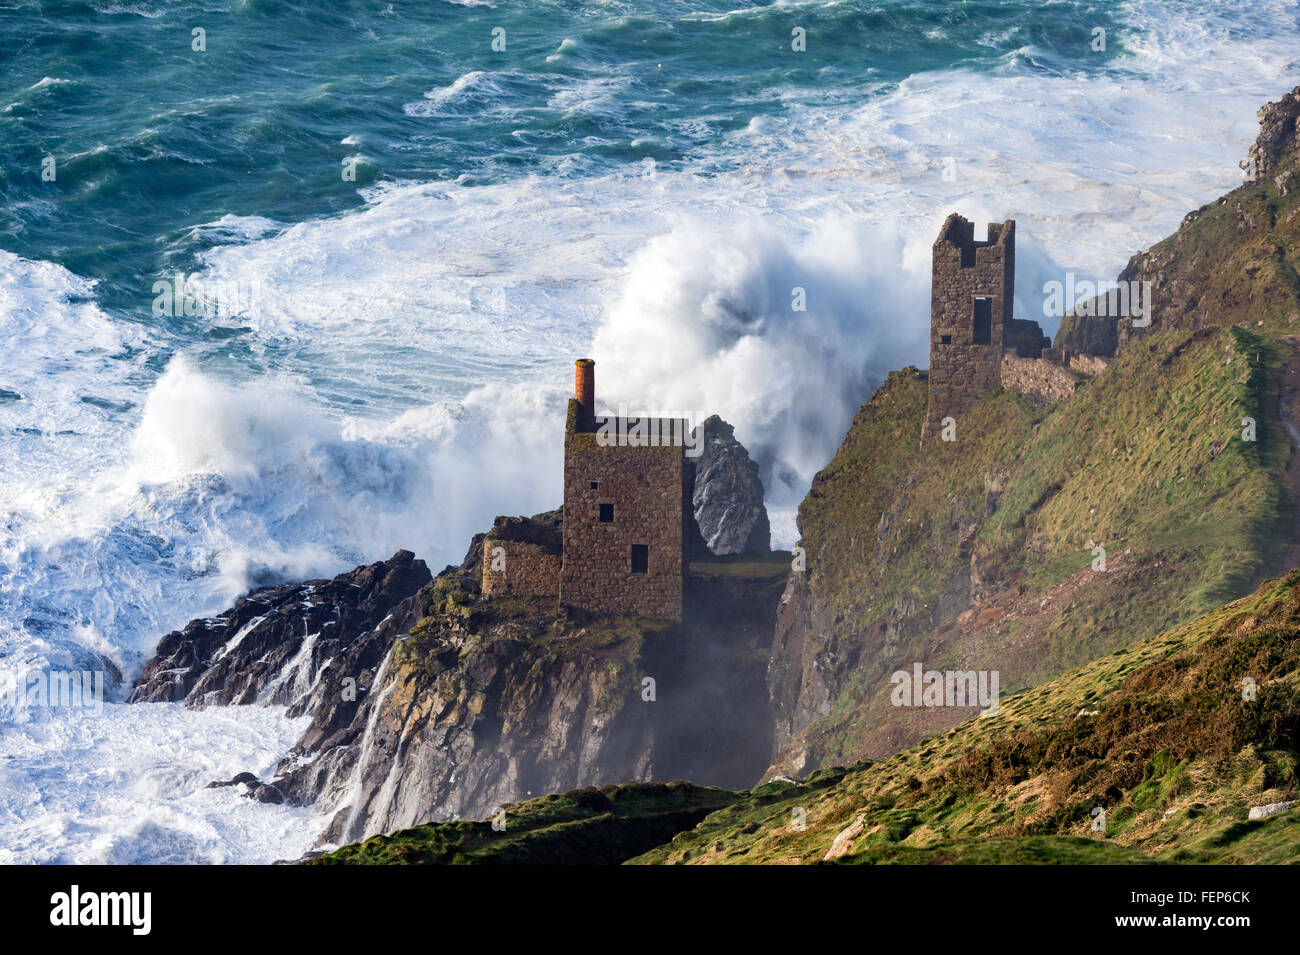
(519,568)
(1040,380)
(961,370)
(1025,337)
(1090,366)
(647,490)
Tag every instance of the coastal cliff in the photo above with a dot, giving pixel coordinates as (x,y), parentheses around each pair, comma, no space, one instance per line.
(1151,753)
(1093,548)
(1047,536)
(1234,261)
(428,700)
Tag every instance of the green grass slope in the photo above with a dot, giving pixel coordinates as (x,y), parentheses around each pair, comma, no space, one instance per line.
(586,826)
(1159,735)
(979,552)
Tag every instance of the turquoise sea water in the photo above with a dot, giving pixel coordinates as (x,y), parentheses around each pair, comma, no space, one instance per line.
(403,237)
(154,139)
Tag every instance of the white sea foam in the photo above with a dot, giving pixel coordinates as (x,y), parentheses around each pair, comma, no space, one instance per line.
(411,361)
(478,89)
(130,787)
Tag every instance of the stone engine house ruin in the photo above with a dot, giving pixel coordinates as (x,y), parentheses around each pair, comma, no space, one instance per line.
(621,545)
(625,511)
(976,346)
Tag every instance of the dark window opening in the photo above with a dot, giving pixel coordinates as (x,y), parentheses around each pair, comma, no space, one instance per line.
(982,331)
(945,339)
(594,485)
(640,558)
(606,513)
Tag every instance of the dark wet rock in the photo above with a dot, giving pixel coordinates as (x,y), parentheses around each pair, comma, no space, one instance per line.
(727,494)
(243,779)
(267,794)
(284,645)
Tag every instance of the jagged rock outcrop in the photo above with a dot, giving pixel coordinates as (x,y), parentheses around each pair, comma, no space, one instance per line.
(428,702)
(278,644)
(1095,335)
(1234,261)
(470,712)
(727,494)
(489,702)
(1279,135)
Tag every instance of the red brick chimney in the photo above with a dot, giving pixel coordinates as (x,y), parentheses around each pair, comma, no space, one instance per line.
(584,388)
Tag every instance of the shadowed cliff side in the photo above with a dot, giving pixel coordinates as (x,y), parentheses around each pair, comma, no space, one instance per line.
(1154,753)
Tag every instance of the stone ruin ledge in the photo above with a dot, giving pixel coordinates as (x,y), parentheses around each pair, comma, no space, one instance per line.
(1040,381)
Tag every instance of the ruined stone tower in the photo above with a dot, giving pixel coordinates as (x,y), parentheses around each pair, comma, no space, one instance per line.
(971,290)
(625,507)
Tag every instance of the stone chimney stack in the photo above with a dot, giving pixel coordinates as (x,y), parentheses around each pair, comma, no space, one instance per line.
(584,388)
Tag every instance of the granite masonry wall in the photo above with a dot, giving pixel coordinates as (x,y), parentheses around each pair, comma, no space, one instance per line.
(965,353)
(617,499)
(1040,380)
(521,568)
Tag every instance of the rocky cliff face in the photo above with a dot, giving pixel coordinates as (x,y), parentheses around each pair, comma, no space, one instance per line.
(287,645)
(728,494)
(483,704)
(1038,539)
(1279,137)
(1234,261)
(439,705)
(1088,335)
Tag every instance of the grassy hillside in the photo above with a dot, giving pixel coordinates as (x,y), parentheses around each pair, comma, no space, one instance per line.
(586,826)
(1157,734)
(979,553)
(1235,261)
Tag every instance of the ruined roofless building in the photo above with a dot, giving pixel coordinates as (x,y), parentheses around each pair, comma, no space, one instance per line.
(972,285)
(619,545)
(625,509)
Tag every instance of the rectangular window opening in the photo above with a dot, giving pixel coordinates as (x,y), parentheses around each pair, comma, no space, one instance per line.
(945,339)
(982,321)
(640,558)
(606,513)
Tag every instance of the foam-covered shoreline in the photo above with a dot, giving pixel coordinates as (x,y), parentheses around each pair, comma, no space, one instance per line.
(401,377)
